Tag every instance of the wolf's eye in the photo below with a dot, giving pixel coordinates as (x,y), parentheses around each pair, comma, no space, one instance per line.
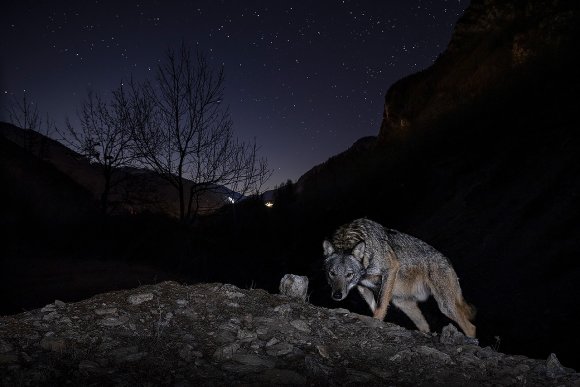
(331,274)
(349,275)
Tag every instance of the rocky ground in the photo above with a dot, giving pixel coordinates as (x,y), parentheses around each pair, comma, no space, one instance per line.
(216,334)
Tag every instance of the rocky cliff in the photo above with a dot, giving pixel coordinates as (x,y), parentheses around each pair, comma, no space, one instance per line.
(216,334)
(495,46)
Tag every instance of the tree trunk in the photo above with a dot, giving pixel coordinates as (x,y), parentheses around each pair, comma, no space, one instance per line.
(180,188)
(105,194)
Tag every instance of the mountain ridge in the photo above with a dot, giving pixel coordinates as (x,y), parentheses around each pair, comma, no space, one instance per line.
(136,190)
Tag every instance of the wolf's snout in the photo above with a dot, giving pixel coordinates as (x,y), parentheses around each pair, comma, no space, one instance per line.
(337,295)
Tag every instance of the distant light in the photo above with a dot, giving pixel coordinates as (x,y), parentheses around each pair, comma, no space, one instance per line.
(269,204)
(231,199)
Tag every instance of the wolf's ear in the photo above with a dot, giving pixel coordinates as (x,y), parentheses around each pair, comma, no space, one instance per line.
(359,251)
(328,249)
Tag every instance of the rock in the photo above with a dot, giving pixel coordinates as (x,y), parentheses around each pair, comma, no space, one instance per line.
(225,337)
(232,325)
(104,311)
(55,344)
(113,321)
(340,311)
(294,286)
(50,316)
(520,369)
(279,349)
(230,294)
(323,351)
(284,309)
(403,355)
(450,335)
(48,308)
(262,331)
(370,321)
(398,332)
(226,352)
(301,325)
(231,291)
(137,299)
(59,303)
(65,321)
(434,354)
(245,335)
(553,366)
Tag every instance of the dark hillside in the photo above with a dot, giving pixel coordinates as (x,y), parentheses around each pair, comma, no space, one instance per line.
(32,187)
(55,242)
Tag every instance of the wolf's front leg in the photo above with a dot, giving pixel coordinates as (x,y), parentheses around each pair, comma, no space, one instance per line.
(387,291)
(368,296)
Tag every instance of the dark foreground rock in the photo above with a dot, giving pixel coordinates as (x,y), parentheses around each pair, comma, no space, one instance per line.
(215,334)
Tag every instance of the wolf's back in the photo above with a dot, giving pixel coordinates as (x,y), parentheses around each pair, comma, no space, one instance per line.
(350,234)
(411,249)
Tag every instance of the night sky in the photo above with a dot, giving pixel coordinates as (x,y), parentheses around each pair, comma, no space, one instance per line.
(305,78)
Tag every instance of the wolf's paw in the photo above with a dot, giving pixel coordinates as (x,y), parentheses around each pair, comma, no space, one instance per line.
(379,314)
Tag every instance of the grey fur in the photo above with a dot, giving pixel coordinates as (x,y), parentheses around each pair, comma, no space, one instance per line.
(393,266)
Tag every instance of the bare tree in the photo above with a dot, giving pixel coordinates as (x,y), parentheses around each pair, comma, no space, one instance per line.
(24,113)
(47,132)
(103,137)
(183,132)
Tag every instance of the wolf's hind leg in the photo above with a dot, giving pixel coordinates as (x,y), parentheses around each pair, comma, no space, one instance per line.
(368,296)
(410,308)
(447,293)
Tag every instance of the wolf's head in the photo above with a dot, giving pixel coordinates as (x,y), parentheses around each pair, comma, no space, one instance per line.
(343,270)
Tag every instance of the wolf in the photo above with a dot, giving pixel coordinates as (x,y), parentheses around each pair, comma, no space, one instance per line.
(388,265)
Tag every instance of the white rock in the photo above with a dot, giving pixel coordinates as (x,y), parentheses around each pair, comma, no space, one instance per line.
(295,286)
(48,308)
(553,366)
(136,299)
(301,325)
(103,311)
(59,303)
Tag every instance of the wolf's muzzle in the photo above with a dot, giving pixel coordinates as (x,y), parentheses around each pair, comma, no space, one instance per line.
(337,295)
